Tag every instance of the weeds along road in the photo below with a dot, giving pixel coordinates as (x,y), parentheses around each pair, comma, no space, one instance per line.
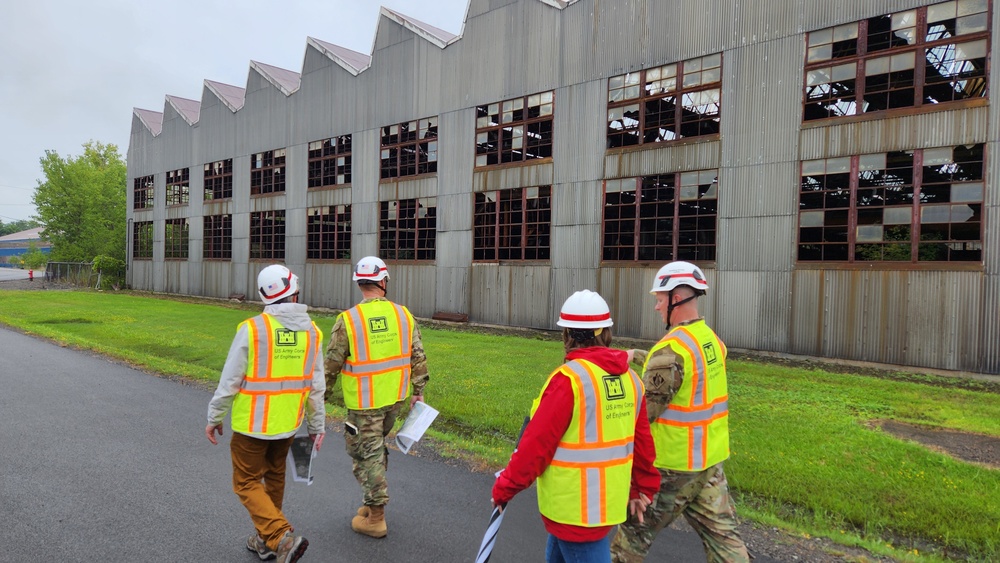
(100,462)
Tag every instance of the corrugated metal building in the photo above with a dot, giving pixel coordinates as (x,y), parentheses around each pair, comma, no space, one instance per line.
(828,163)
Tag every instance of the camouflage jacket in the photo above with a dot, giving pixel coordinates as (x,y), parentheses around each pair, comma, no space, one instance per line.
(662,377)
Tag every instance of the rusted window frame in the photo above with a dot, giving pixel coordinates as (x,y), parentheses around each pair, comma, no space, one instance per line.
(324,167)
(217,237)
(494,226)
(142,240)
(862,57)
(328,232)
(267,235)
(645,96)
(178,184)
(422,145)
(490,118)
(267,172)
(392,247)
(676,218)
(142,190)
(176,247)
(218,180)
(915,217)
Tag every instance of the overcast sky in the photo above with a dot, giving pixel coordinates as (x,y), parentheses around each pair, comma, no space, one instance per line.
(71,71)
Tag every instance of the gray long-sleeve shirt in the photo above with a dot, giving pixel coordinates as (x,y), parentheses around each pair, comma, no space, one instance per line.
(292,316)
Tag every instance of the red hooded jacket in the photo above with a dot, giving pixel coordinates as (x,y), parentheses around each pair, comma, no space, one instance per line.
(546,429)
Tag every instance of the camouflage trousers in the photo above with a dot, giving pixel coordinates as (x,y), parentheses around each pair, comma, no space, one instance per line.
(368,451)
(703,499)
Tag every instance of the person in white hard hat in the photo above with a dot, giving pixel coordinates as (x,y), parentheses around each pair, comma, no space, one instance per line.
(273,374)
(685,377)
(588,442)
(376,345)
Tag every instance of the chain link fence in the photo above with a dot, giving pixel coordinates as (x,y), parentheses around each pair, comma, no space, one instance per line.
(84,274)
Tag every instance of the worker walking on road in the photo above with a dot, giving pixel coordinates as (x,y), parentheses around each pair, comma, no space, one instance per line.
(588,442)
(273,375)
(685,378)
(377,346)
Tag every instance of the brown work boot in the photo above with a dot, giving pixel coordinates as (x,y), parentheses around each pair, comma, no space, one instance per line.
(363,511)
(372,524)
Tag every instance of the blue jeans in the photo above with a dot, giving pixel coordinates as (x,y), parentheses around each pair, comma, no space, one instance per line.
(561,551)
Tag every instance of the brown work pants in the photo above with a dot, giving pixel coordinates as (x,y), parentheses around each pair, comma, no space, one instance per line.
(259,481)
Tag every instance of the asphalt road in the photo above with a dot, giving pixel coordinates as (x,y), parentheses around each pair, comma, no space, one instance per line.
(8,274)
(100,462)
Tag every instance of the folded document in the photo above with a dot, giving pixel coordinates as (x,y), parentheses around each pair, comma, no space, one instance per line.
(420,419)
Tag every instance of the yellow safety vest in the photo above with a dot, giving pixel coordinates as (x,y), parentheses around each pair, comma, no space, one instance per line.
(587,483)
(693,432)
(280,362)
(377,370)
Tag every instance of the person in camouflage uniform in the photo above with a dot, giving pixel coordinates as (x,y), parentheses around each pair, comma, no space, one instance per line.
(376,331)
(675,397)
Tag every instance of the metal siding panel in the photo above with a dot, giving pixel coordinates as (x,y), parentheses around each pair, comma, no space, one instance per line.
(217,279)
(626,290)
(760,191)
(754,311)
(759,21)
(696,155)
(756,131)
(991,219)
(528,288)
(413,285)
(578,204)
(453,288)
(805,331)
(580,128)
(928,130)
(513,177)
(490,304)
(990,334)
(328,285)
(540,61)
(759,243)
(455,215)
(576,246)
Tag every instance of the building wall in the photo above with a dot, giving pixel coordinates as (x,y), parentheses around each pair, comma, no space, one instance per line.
(934,315)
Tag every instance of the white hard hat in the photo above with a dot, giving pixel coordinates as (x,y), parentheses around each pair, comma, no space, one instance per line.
(679,273)
(370,268)
(275,283)
(585,309)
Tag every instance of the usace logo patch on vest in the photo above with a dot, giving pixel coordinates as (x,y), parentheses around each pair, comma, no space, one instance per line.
(710,355)
(285,337)
(613,388)
(378,324)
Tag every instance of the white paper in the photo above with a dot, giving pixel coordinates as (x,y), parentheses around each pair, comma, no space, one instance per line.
(300,456)
(419,420)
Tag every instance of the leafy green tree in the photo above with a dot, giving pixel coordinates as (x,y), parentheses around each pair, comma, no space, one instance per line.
(34,258)
(81,203)
(17,226)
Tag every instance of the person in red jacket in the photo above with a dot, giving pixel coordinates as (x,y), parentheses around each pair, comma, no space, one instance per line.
(588,442)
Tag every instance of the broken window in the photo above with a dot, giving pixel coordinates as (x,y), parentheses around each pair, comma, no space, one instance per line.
(900,206)
(330,162)
(409,148)
(142,240)
(515,130)
(328,232)
(661,218)
(267,235)
(219,180)
(142,192)
(217,235)
(915,58)
(512,224)
(178,187)
(665,103)
(267,172)
(175,240)
(408,229)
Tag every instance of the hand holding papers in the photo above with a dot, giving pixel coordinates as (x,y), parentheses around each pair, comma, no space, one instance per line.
(300,456)
(420,418)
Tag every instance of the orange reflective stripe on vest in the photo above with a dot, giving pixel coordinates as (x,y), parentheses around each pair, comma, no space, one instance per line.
(271,399)
(588,479)
(377,372)
(692,433)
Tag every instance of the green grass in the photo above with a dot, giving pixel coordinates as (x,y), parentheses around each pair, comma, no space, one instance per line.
(804,454)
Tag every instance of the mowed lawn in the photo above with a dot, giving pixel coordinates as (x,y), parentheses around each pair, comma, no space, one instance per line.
(805,454)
